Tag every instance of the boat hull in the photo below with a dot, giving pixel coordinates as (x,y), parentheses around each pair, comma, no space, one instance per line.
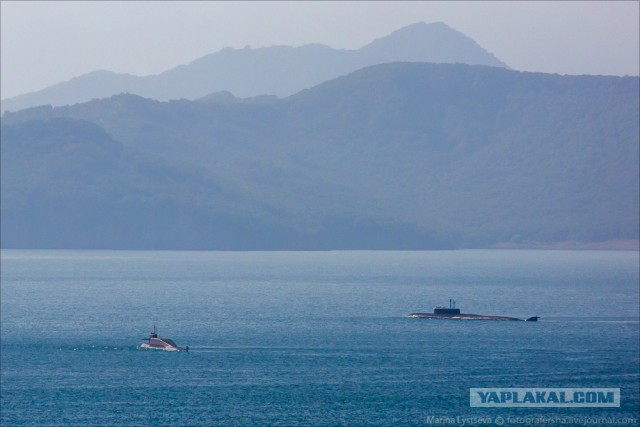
(165,348)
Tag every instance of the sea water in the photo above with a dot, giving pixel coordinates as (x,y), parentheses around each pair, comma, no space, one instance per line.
(311,338)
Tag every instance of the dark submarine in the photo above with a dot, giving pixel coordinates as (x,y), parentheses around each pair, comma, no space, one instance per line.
(452,312)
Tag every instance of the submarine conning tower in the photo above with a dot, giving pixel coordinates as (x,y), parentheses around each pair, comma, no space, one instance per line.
(444,310)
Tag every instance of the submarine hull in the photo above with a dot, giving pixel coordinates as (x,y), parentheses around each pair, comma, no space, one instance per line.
(462,316)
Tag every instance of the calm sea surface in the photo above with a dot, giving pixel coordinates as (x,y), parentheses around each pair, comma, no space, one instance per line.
(310,338)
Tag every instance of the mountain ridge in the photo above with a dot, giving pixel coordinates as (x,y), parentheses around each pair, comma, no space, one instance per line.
(275,70)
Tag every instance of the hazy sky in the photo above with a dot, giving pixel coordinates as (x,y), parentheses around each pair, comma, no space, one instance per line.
(46,42)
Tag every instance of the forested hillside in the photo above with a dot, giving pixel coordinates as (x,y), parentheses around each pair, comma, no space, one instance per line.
(401,155)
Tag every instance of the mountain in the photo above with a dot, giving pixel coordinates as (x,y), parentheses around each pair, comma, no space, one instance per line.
(276,70)
(393,156)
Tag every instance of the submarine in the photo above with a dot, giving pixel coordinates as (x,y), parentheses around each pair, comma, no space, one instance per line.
(452,312)
(156,343)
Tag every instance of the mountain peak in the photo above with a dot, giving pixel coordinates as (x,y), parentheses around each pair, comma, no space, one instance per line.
(434,42)
(422,26)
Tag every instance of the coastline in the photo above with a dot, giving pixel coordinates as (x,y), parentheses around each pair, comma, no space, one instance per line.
(608,245)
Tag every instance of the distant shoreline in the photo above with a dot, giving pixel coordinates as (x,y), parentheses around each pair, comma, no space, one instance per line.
(609,245)
(617,245)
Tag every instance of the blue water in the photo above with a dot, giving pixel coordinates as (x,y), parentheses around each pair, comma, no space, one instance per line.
(309,338)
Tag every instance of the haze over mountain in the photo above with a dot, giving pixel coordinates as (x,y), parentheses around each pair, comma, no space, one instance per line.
(394,156)
(276,70)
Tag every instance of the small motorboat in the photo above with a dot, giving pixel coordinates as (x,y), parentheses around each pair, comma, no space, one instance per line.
(156,343)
